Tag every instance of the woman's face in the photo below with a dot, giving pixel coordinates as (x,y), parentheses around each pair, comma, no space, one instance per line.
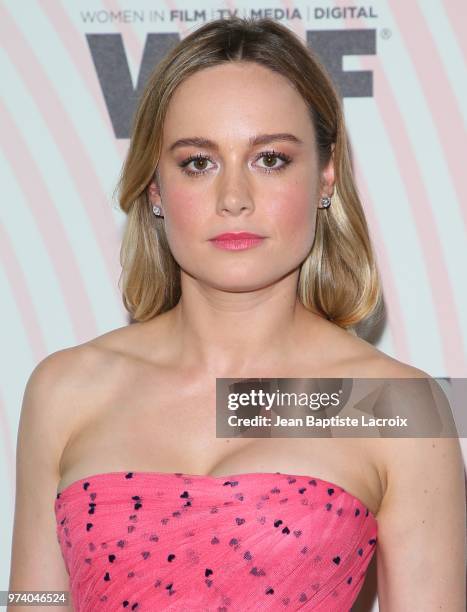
(270,188)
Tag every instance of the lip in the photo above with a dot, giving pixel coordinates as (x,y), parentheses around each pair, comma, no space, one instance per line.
(238,241)
(236,236)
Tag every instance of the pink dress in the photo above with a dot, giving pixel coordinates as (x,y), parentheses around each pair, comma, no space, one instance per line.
(168,541)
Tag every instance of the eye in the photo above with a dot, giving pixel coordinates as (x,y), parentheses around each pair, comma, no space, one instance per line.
(272,156)
(197,159)
(202,160)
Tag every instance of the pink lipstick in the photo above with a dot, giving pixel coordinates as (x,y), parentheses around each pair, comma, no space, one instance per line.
(236,241)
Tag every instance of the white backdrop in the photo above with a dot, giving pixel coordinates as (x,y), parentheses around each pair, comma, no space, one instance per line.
(61,154)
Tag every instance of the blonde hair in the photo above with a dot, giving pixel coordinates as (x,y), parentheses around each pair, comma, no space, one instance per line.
(339,278)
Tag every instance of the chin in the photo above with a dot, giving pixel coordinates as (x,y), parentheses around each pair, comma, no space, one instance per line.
(234,284)
(240,276)
(245,282)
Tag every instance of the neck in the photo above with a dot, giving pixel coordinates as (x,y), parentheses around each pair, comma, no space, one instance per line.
(232,334)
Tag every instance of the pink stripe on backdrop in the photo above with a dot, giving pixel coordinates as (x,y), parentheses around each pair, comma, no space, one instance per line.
(73,41)
(50,226)
(450,331)
(8,449)
(75,44)
(30,322)
(73,151)
(438,92)
(456,12)
(22,296)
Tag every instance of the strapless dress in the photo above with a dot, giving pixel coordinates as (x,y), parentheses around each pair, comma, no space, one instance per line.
(151,541)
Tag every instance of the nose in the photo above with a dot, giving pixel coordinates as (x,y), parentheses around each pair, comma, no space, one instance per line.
(234,195)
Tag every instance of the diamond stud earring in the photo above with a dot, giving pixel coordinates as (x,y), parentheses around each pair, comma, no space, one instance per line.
(325,202)
(157,210)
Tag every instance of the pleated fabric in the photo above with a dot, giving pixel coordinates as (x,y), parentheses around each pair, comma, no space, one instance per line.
(170,541)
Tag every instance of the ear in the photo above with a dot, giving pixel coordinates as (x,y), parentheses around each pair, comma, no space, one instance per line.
(328,176)
(154,194)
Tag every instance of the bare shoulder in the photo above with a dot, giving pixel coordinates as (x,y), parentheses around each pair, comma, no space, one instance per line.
(424,464)
(69,386)
(55,398)
(143,341)
(68,382)
(361,359)
(422,516)
(56,381)
(53,403)
(68,374)
(377,364)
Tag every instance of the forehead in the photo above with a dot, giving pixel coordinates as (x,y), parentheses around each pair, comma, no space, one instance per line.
(236,99)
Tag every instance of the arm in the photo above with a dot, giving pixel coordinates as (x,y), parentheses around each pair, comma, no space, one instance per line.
(421,559)
(44,428)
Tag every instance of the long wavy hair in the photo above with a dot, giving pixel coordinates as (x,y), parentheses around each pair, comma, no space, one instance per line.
(339,278)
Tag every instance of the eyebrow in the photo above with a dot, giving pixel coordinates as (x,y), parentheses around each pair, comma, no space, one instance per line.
(260,139)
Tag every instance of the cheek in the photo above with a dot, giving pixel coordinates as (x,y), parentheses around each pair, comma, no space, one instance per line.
(184,213)
(293,211)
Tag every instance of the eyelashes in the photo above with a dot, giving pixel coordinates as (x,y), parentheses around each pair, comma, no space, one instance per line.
(202,158)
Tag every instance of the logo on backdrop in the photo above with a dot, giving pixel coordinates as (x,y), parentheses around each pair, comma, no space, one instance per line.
(121,95)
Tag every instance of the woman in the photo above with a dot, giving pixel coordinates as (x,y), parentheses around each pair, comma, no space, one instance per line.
(239,130)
